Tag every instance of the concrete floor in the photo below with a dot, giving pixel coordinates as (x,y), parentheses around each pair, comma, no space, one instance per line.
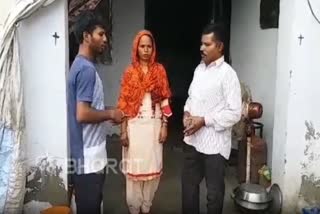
(168,196)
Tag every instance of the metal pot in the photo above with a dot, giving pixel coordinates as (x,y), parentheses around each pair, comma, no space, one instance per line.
(252,193)
(253,110)
(272,206)
(251,196)
(250,207)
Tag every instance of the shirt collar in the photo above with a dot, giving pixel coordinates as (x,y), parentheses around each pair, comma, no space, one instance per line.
(216,63)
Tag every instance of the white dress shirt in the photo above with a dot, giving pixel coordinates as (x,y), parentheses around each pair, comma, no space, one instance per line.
(214,94)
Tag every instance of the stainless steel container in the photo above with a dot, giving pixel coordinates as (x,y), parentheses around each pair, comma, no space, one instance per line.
(252,193)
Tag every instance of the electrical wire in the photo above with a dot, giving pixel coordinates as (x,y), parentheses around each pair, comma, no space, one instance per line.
(314,15)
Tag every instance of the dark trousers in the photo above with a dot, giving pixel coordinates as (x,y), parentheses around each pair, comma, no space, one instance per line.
(88,192)
(196,167)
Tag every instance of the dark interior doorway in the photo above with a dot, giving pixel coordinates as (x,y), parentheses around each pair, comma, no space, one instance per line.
(177,27)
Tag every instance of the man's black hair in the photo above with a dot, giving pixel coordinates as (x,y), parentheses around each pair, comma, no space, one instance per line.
(218,31)
(86,22)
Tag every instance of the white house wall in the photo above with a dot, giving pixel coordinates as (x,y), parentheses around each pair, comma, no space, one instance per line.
(296,158)
(44,63)
(254,54)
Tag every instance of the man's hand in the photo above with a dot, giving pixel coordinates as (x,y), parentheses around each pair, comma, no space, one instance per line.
(186,119)
(117,116)
(163,134)
(195,123)
(124,140)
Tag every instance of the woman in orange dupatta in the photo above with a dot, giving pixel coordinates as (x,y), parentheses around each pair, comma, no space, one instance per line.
(144,98)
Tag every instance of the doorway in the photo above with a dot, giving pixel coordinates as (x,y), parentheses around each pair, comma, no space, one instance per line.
(177,27)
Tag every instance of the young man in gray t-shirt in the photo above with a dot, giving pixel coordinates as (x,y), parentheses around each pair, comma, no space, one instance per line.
(87,116)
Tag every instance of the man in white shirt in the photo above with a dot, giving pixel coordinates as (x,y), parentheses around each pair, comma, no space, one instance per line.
(212,108)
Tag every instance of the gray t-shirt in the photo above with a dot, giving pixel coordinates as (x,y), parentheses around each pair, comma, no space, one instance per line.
(87,141)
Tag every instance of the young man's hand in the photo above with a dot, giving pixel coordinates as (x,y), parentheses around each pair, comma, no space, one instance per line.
(186,119)
(117,116)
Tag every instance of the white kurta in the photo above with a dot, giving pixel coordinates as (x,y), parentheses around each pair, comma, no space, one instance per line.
(142,160)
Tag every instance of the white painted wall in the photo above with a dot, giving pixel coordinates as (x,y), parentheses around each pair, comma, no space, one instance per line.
(44,65)
(128,19)
(253,54)
(296,150)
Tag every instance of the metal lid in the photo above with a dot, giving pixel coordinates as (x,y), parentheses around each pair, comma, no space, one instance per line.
(276,195)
